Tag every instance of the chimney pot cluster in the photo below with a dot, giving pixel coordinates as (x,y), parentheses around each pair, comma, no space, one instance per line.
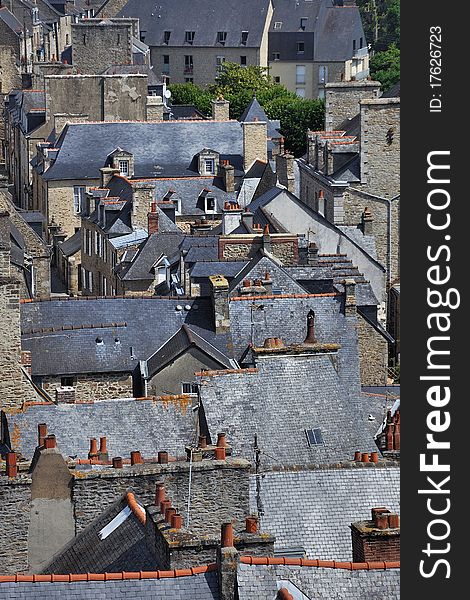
(382,518)
(365,457)
(273,342)
(93,453)
(170,514)
(231,206)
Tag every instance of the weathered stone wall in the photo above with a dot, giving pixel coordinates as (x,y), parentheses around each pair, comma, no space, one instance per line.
(373,354)
(94,386)
(244,248)
(96,46)
(254,143)
(10,78)
(380,146)
(15,507)
(219,491)
(342,100)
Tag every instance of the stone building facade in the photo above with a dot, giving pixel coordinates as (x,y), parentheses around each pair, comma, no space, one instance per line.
(91,386)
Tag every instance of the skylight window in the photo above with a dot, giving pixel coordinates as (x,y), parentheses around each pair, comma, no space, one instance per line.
(314,437)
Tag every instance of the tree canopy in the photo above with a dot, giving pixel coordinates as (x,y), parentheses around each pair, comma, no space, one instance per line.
(238,84)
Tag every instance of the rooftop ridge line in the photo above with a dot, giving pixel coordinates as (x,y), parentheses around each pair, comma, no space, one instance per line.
(329,564)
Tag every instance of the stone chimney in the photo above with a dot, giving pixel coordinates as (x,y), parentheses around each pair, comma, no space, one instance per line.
(227,563)
(107,173)
(231,217)
(266,239)
(219,293)
(342,100)
(152,219)
(143,194)
(367,222)
(247,220)
(350,297)
(312,254)
(255,136)
(227,172)
(285,171)
(155,108)
(220,109)
(377,539)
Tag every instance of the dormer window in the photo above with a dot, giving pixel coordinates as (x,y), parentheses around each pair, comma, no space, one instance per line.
(244,38)
(124,168)
(209,204)
(189,37)
(209,166)
(277,24)
(166,37)
(221,37)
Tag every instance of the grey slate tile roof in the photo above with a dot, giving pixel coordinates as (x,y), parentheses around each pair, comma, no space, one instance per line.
(129,424)
(10,20)
(149,252)
(186,111)
(335,30)
(160,149)
(189,189)
(262,581)
(124,549)
(322,504)
(227,268)
(207,19)
(71,245)
(254,111)
(76,350)
(182,340)
(366,242)
(196,587)
(350,172)
(203,252)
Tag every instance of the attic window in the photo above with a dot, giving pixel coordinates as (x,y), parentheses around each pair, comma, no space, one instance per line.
(209,204)
(124,167)
(166,37)
(300,47)
(221,37)
(244,38)
(277,24)
(189,388)
(276,55)
(314,437)
(303,23)
(209,166)
(189,37)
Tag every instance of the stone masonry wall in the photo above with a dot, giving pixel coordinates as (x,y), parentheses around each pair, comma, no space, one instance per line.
(342,100)
(94,386)
(219,491)
(15,506)
(286,250)
(96,46)
(59,200)
(373,354)
(380,146)
(10,77)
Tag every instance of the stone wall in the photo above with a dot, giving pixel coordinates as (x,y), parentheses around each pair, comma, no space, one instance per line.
(373,354)
(342,100)
(219,491)
(380,146)
(95,46)
(15,507)
(94,386)
(245,247)
(10,78)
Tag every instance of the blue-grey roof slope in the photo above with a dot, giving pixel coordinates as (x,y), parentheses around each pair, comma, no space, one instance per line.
(106,334)
(207,19)
(160,149)
(254,111)
(154,247)
(153,425)
(263,581)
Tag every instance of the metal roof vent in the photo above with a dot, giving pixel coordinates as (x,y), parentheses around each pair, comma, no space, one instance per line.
(178,307)
(187,307)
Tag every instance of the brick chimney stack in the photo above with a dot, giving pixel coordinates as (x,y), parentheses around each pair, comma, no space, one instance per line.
(152,219)
(377,539)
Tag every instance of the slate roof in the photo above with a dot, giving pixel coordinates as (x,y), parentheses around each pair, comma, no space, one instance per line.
(350,172)
(262,582)
(10,20)
(184,339)
(124,549)
(149,252)
(196,587)
(227,268)
(335,30)
(186,111)
(201,252)
(289,14)
(189,190)
(254,111)
(128,424)
(392,92)
(207,19)
(322,503)
(160,149)
(72,244)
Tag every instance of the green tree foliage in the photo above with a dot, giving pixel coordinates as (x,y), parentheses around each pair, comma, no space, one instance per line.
(381,21)
(385,67)
(238,84)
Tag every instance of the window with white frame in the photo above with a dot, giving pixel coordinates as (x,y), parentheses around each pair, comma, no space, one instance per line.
(189,388)
(209,166)
(124,167)
(209,204)
(78,198)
